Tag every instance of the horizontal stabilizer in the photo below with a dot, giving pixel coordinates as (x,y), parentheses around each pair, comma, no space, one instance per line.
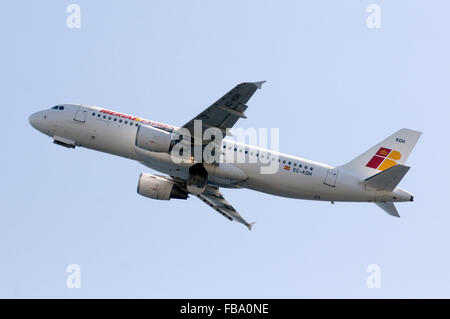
(388,179)
(388,208)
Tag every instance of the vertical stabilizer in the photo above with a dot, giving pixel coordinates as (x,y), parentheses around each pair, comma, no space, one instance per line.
(392,151)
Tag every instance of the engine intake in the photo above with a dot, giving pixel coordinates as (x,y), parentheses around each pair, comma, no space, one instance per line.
(159,187)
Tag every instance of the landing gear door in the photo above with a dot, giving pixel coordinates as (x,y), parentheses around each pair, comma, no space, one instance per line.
(330,180)
(80,115)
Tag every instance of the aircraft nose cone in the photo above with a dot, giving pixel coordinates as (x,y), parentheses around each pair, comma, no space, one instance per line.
(33,119)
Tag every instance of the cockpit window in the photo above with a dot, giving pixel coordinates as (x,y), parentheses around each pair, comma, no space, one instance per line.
(58,107)
(55,107)
(61,107)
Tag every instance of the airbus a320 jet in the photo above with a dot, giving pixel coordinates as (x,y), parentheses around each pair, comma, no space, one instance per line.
(371,177)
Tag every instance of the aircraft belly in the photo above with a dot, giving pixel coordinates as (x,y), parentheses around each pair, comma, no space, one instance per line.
(224,175)
(292,185)
(110,139)
(284,183)
(281,183)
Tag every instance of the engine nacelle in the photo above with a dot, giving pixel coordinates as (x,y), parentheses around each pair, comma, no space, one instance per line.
(158,187)
(153,139)
(197,179)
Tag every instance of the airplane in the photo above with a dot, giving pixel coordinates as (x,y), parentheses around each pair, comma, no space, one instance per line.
(371,177)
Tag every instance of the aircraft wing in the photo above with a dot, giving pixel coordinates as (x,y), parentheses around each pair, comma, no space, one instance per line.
(226,111)
(214,198)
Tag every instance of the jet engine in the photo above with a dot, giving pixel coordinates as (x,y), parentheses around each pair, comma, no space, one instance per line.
(197,179)
(153,139)
(159,187)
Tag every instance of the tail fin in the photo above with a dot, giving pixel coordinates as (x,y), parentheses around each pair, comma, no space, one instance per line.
(392,151)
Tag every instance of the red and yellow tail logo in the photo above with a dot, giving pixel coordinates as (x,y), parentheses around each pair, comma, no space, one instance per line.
(384,159)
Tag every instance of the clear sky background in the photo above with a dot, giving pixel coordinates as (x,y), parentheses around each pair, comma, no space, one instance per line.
(335,88)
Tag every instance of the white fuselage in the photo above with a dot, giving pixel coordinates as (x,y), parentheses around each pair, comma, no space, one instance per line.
(295,177)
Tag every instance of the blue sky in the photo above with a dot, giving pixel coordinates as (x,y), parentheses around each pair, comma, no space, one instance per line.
(335,88)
